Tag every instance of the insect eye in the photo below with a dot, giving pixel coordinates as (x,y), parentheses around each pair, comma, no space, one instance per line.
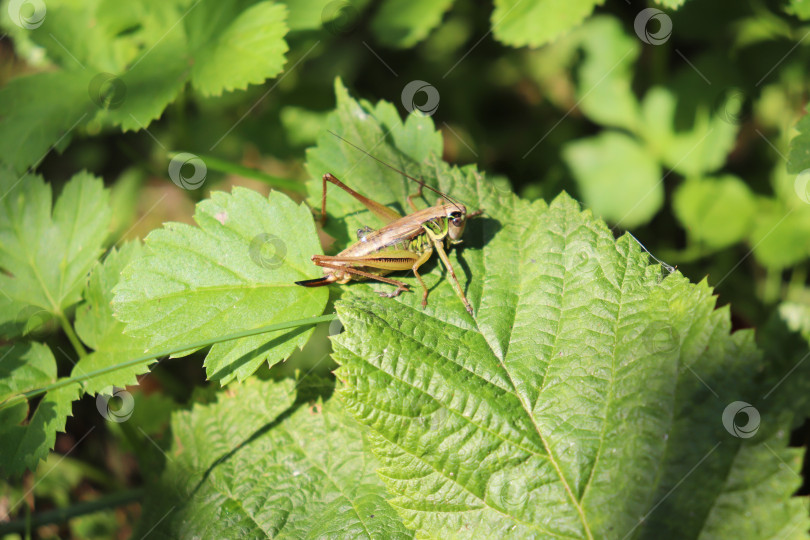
(457,222)
(455,214)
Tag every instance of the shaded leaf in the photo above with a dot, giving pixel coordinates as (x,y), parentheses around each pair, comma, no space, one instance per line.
(23,444)
(240,467)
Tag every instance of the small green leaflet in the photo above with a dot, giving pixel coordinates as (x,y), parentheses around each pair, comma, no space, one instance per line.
(23,367)
(47,252)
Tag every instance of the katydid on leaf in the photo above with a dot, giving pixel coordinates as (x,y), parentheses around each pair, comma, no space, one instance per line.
(404,243)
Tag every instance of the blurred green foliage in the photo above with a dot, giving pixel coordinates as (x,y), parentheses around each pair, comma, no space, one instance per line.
(684,122)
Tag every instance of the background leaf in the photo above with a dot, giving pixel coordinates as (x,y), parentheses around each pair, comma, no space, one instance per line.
(536,22)
(240,467)
(236,271)
(599,165)
(47,254)
(23,444)
(404,23)
(98,329)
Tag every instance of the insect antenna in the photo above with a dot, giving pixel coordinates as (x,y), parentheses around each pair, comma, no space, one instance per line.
(403,173)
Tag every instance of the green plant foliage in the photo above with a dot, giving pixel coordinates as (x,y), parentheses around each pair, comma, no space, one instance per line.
(98,329)
(403,23)
(234,272)
(590,394)
(799,8)
(799,158)
(47,252)
(622,196)
(520,427)
(605,93)
(699,150)
(23,444)
(781,237)
(251,465)
(536,22)
(719,212)
(125,78)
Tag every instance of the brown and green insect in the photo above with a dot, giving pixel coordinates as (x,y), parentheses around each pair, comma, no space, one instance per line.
(404,243)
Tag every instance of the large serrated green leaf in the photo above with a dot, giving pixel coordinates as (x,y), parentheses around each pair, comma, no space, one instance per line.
(234,272)
(46,253)
(577,401)
(486,413)
(239,469)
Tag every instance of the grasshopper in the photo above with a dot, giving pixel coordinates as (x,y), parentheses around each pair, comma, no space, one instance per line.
(404,243)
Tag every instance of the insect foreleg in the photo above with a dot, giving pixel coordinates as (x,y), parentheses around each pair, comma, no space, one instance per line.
(438,244)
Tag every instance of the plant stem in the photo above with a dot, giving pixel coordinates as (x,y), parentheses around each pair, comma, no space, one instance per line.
(71,334)
(228,167)
(60,515)
(67,381)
